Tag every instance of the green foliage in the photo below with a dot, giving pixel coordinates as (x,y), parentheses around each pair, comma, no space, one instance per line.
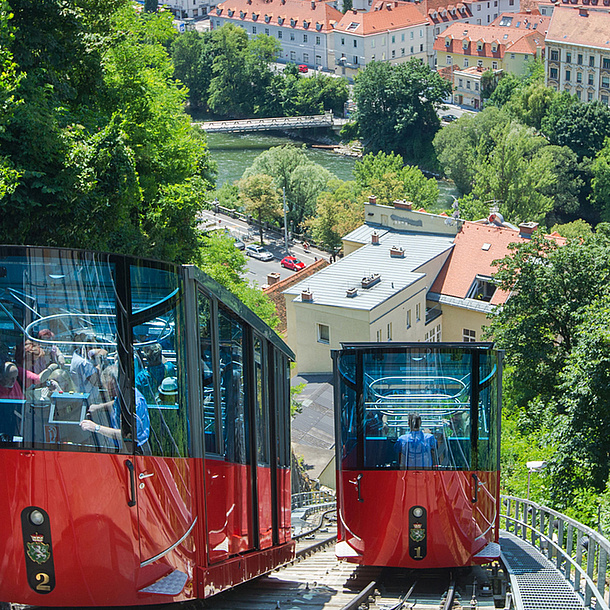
(386,177)
(349,132)
(471,208)
(576,228)
(339,210)
(600,184)
(227,196)
(302,179)
(396,108)
(295,405)
(261,199)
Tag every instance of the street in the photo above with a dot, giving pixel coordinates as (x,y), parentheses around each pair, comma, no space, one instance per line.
(258,270)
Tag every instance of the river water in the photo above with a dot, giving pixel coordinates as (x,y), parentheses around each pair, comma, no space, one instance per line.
(234,153)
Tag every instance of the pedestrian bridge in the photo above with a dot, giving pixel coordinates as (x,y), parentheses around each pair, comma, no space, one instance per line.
(553,562)
(274,123)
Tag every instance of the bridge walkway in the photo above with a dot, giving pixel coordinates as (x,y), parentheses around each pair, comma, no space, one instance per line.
(536,583)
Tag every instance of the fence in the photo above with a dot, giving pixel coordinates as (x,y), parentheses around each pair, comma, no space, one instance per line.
(579,552)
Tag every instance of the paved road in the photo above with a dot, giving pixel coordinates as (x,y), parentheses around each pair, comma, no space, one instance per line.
(258,270)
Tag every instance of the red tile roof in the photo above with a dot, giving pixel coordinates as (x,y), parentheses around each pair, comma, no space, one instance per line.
(382,17)
(580,26)
(300,14)
(469,259)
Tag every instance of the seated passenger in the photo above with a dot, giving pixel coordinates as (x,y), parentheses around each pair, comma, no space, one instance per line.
(9,386)
(53,353)
(110,382)
(150,378)
(416,449)
(84,372)
(31,356)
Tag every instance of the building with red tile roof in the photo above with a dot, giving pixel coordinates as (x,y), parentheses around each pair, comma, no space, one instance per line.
(390,31)
(304,28)
(578,52)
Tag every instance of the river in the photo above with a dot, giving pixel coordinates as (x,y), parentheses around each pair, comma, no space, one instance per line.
(234,153)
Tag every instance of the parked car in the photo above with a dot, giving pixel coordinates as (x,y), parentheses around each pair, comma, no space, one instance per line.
(238,243)
(291,262)
(303,68)
(259,252)
(449,118)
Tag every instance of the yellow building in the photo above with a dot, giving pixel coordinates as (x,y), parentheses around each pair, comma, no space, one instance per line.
(407,276)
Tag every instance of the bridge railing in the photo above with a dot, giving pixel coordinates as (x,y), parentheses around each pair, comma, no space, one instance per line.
(579,552)
(310,498)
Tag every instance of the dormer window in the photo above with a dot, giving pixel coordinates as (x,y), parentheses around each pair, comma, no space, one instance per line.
(482,289)
(465,43)
(242,14)
(293,22)
(219,11)
(318,26)
(280,20)
(305,24)
(231,12)
(267,18)
(479,46)
(447,41)
(494,47)
(254,16)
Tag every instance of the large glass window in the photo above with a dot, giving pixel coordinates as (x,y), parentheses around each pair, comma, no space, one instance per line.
(207,375)
(411,408)
(57,337)
(159,362)
(234,413)
(260,406)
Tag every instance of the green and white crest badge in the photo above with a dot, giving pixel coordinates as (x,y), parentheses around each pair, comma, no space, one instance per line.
(38,551)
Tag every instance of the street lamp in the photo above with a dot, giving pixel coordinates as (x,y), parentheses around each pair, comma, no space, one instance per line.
(533,467)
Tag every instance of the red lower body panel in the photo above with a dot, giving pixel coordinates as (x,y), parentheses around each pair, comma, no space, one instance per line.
(459,517)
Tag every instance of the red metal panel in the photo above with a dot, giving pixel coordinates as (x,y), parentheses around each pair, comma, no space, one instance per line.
(228,509)
(377,528)
(265,521)
(284,499)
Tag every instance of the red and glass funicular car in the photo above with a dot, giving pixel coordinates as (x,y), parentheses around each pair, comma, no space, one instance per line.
(144,433)
(418,442)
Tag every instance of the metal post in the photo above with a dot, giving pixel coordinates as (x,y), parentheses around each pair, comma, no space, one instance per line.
(285,224)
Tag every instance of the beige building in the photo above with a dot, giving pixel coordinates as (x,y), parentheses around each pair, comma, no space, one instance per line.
(578,52)
(406,276)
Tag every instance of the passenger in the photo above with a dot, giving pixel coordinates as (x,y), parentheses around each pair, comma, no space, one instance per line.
(31,356)
(168,391)
(85,374)
(9,386)
(150,378)
(54,354)
(110,382)
(416,449)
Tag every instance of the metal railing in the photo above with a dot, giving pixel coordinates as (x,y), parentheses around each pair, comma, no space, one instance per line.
(577,551)
(311,498)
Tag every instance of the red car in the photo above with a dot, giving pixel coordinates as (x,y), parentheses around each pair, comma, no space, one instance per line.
(290,262)
(303,68)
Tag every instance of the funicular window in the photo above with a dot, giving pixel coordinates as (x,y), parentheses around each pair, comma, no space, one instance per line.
(488,441)
(349,412)
(232,397)
(57,338)
(416,407)
(281,388)
(207,374)
(260,407)
(159,361)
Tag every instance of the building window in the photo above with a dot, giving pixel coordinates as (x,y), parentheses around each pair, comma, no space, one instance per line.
(306,58)
(580,59)
(605,99)
(292,36)
(356,59)
(589,96)
(355,43)
(279,35)
(480,63)
(408,318)
(512,56)
(418,312)
(579,77)
(393,39)
(402,37)
(379,336)
(323,333)
(568,75)
(482,289)
(304,37)
(592,61)
(373,43)
(342,41)
(389,331)
(568,57)
(476,86)
(411,50)
(606,82)
(393,53)
(606,63)
(317,40)
(469,336)
(578,95)
(421,48)
(448,60)
(590,80)
(467,84)
(554,55)
(553,73)
(402,51)
(254,29)
(465,62)
(411,33)
(494,65)
(267,31)
(433,335)
(460,82)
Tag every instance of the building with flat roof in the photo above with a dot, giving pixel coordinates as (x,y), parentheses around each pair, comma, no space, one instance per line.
(407,276)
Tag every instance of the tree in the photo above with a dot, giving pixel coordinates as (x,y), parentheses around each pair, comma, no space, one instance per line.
(302,179)
(551,286)
(261,199)
(339,210)
(600,184)
(396,108)
(385,176)
(571,230)
(516,174)
(459,144)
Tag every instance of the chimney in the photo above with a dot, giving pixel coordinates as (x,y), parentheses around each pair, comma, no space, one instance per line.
(306,296)
(273,278)
(372,199)
(375,238)
(397,252)
(526,229)
(403,205)
(583,12)
(351,293)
